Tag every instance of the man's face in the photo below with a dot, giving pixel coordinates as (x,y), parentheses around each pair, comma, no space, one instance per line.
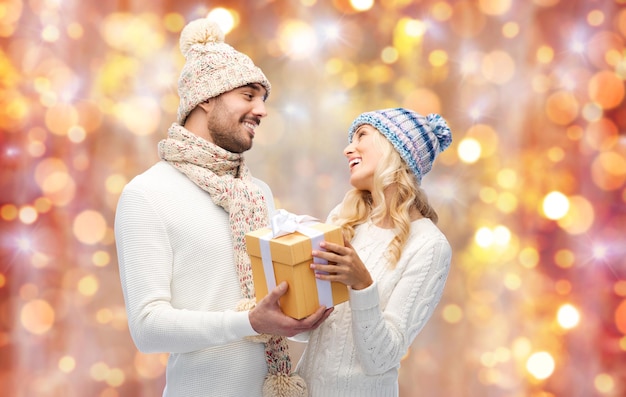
(233,116)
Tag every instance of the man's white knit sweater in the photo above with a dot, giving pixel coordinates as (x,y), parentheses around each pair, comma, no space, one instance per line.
(357,350)
(181,288)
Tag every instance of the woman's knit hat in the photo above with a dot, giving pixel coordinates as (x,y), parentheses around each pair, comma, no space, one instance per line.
(418,139)
(212,67)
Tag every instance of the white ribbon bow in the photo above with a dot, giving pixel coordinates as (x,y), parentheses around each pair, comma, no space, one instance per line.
(284,222)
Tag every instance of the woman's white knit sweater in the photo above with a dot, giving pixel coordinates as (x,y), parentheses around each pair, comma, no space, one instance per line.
(181,287)
(357,351)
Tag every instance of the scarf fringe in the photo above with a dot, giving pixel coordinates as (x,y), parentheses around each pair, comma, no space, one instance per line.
(282,385)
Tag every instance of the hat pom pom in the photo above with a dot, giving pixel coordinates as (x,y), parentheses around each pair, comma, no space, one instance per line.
(441,130)
(200,31)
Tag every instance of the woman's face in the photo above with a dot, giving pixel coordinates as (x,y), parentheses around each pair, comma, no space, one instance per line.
(363,157)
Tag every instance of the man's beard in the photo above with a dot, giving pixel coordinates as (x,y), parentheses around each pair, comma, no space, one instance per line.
(224,132)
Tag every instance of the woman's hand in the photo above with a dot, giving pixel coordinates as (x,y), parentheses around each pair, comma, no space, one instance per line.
(347,267)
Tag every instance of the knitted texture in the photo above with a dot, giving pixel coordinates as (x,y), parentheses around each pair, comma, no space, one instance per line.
(212,67)
(418,139)
(225,176)
(358,350)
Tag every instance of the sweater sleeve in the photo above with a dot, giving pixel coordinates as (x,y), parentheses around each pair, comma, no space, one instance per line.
(382,337)
(145,261)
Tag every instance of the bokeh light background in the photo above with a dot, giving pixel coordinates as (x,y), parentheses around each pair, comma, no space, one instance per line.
(532,193)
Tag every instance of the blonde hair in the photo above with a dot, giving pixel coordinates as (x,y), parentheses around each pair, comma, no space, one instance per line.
(392,172)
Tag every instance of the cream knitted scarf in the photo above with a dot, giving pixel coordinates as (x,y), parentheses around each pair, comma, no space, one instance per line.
(225,176)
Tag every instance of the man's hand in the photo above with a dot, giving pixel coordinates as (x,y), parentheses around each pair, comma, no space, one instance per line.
(268,318)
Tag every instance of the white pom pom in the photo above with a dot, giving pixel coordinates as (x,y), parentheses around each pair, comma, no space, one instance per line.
(200,31)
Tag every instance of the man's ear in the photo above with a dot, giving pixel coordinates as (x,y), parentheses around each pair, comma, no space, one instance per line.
(206,105)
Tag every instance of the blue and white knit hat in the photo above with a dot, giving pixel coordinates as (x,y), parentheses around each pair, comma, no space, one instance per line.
(418,139)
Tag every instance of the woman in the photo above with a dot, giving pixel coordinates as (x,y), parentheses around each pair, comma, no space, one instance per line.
(395,260)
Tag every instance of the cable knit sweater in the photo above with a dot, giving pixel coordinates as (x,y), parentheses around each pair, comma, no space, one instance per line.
(181,287)
(357,351)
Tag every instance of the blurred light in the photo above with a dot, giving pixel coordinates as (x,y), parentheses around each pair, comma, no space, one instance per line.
(510,30)
(67,364)
(28,214)
(438,58)
(563,287)
(512,281)
(494,7)
(595,18)
(389,55)
(441,10)
(415,28)
(564,258)
(24,244)
(577,46)
(297,39)
(99,371)
(521,348)
(115,183)
(9,212)
(173,22)
(37,316)
(606,89)
(604,383)
(556,154)
(484,237)
(332,32)
(568,316)
(75,30)
(50,34)
(88,285)
(580,216)
(224,18)
(140,115)
(507,178)
(529,257)
(76,134)
(488,194)
(452,313)
(545,54)
(562,107)
(469,150)
(507,202)
(115,377)
(600,251)
(502,235)
(362,5)
(555,205)
(89,227)
(150,366)
(620,288)
(540,365)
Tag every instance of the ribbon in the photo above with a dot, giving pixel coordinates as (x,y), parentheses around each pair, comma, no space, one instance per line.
(283,223)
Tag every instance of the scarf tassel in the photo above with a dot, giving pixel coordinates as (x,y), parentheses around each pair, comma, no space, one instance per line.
(283,385)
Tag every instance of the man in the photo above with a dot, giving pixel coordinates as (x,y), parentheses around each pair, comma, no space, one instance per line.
(180,229)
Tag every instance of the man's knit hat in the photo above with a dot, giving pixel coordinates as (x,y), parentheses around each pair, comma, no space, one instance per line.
(212,67)
(418,139)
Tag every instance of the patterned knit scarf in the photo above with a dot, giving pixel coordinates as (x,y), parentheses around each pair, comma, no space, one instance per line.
(225,176)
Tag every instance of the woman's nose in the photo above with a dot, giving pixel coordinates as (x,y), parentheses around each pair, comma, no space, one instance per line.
(348,150)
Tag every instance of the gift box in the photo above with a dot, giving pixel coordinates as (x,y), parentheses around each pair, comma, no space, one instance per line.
(279,256)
